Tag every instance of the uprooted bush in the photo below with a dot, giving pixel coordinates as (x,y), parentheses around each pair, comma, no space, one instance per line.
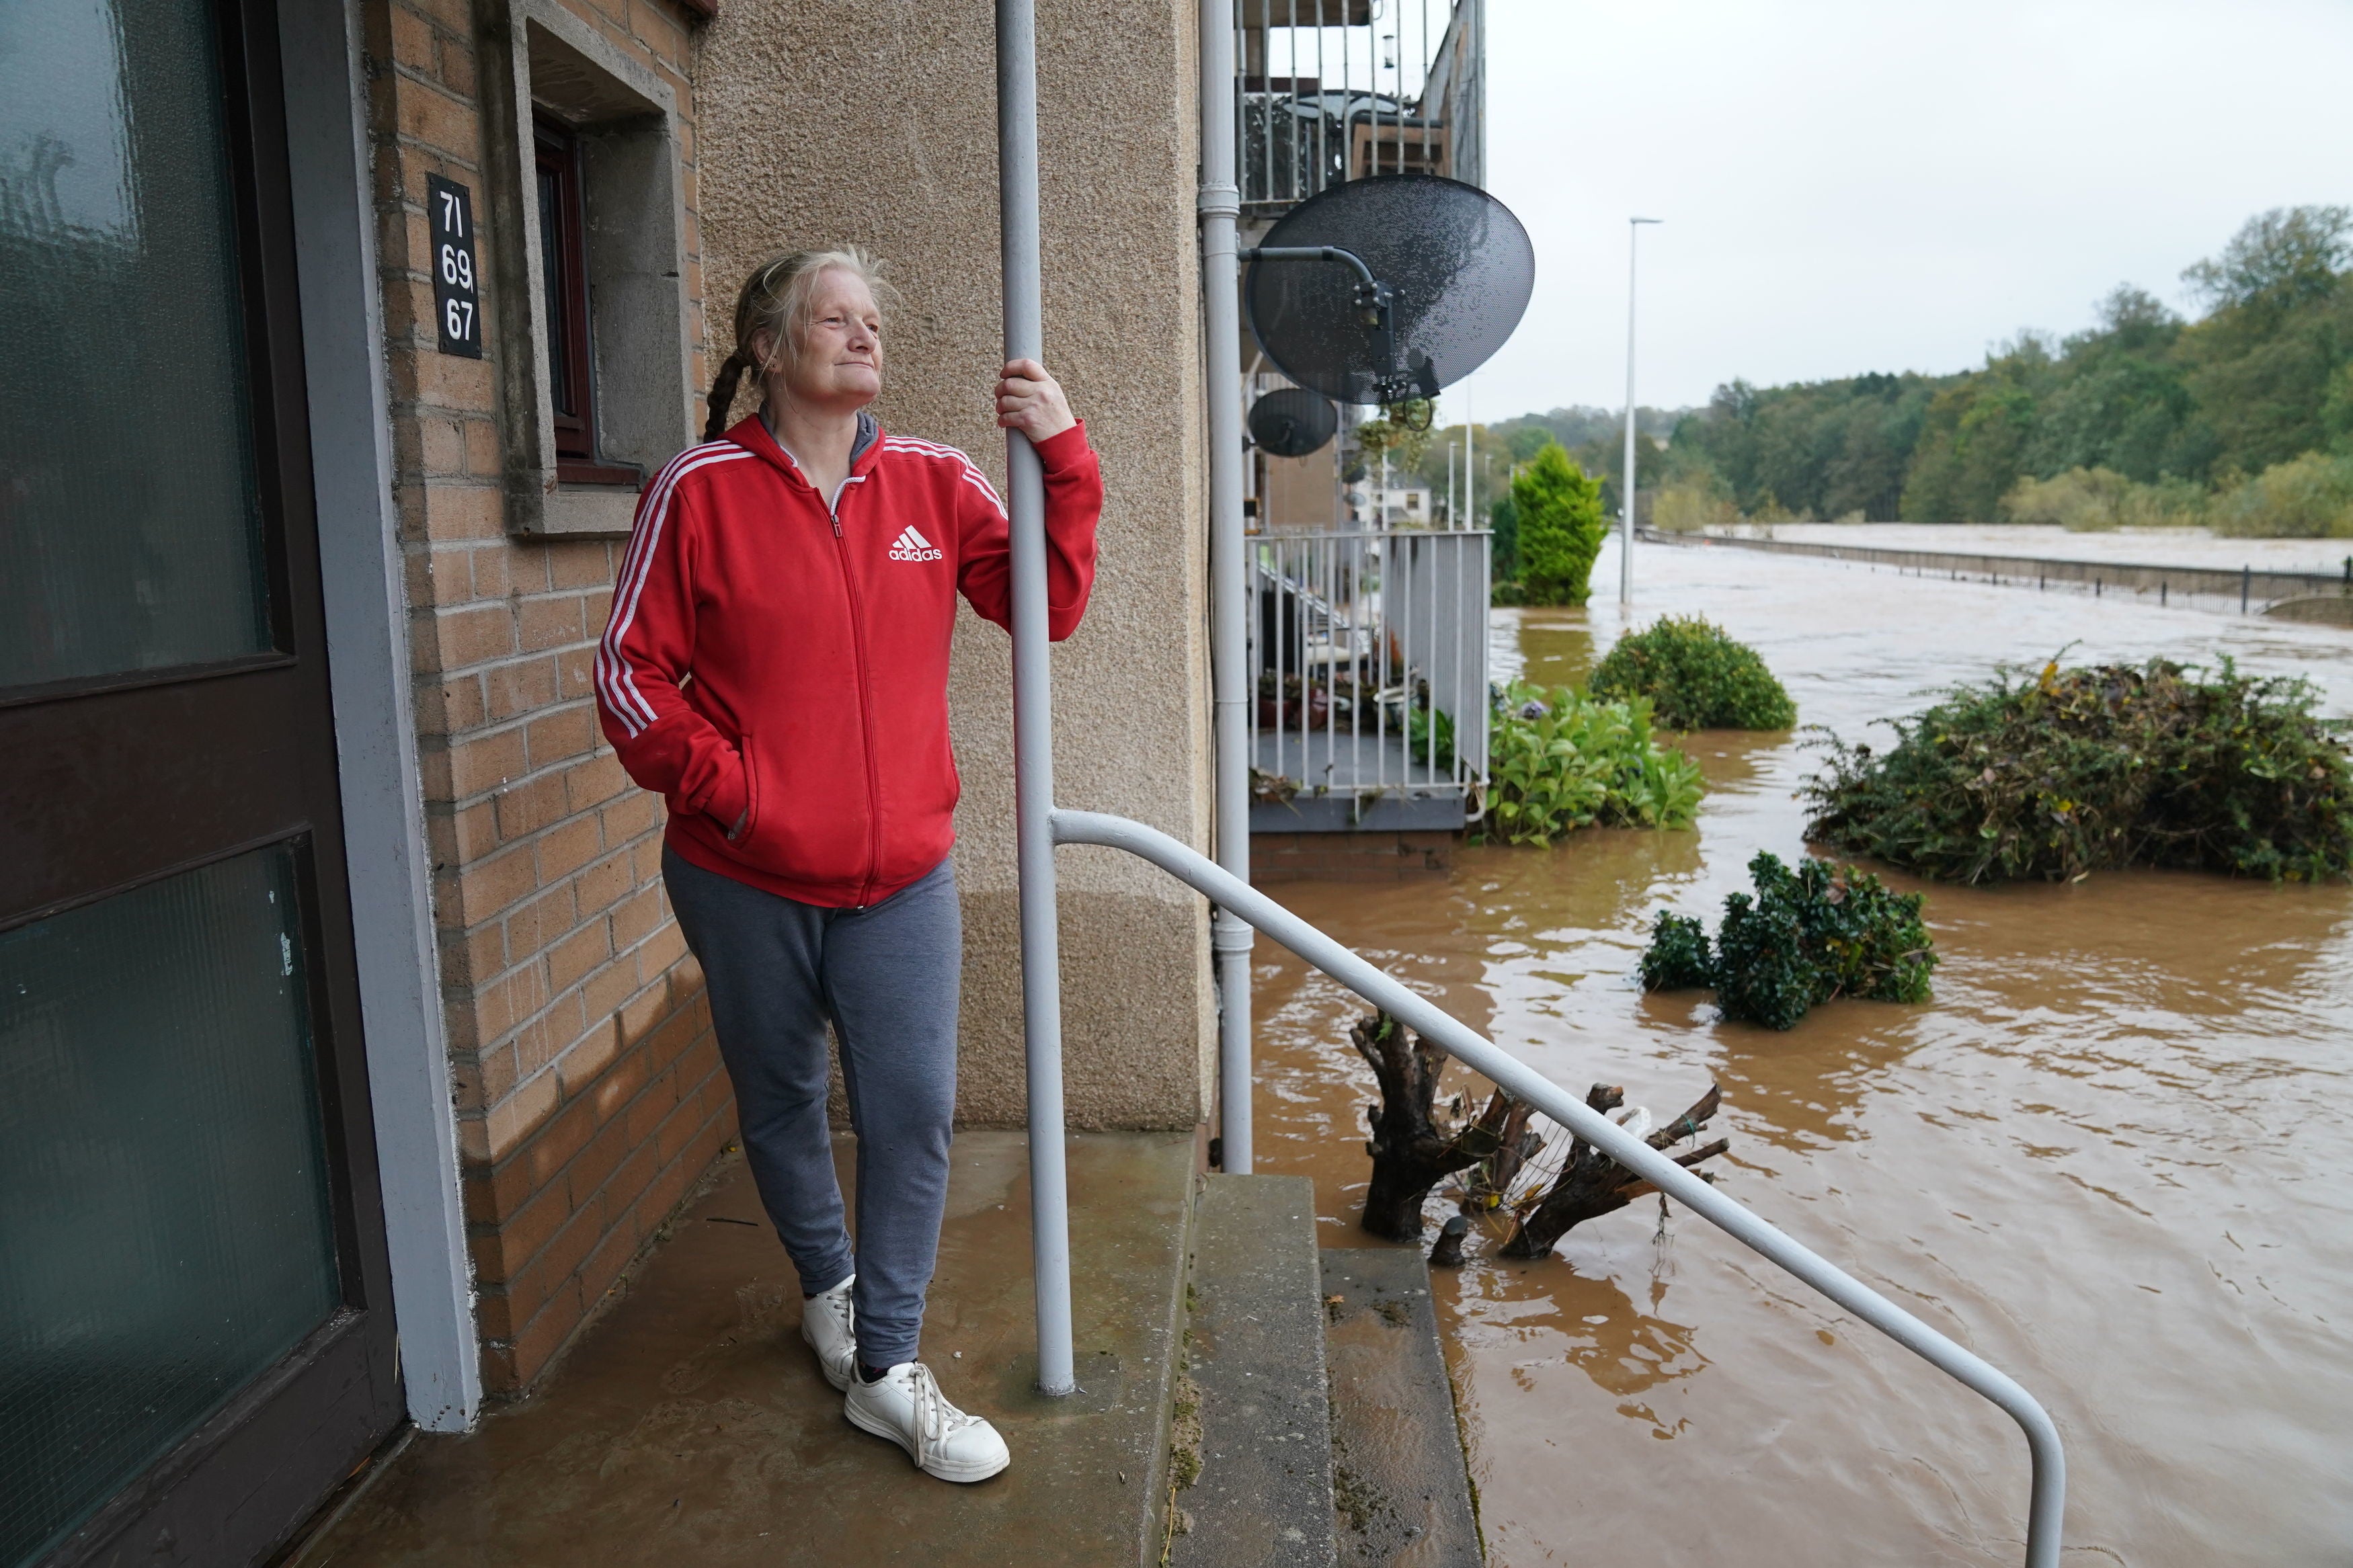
(1559,760)
(1809,936)
(2093,769)
(1696,677)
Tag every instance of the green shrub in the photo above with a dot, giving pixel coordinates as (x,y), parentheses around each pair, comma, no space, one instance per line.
(2095,769)
(1559,761)
(1558,510)
(1504,550)
(1678,957)
(2095,499)
(2310,497)
(1420,720)
(1696,678)
(1809,936)
(1694,504)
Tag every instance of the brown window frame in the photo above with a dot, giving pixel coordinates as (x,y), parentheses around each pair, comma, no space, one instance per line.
(564,284)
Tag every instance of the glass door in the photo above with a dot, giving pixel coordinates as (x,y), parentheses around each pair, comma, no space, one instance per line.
(196,1332)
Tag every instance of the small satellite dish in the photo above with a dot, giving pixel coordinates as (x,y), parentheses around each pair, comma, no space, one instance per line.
(1449,268)
(1290,422)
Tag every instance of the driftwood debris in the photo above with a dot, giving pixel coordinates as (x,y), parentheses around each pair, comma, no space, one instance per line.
(1591,1183)
(1488,1186)
(1412,1151)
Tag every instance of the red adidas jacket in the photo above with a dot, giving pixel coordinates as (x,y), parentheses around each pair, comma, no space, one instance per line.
(765,652)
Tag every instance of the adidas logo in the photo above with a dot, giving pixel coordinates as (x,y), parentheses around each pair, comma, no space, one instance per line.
(912,546)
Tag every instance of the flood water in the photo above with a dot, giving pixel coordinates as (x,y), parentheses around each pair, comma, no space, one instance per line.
(2111,1156)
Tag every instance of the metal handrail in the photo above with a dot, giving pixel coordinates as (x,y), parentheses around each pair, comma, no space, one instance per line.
(2047,1503)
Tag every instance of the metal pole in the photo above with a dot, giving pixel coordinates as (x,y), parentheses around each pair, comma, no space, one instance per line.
(1626,473)
(1626,469)
(1469,440)
(1033,704)
(1221,204)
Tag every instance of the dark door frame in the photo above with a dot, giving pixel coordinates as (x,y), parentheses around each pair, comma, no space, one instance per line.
(117,783)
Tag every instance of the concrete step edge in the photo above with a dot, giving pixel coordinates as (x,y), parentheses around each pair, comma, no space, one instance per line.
(1253,1348)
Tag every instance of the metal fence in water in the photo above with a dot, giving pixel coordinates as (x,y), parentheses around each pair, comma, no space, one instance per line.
(2248,586)
(1368,667)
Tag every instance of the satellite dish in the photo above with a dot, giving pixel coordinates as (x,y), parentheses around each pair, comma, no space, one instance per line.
(1290,422)
(1390,288)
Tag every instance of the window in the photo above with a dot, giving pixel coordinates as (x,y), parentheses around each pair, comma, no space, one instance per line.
(564,285)
(583,204)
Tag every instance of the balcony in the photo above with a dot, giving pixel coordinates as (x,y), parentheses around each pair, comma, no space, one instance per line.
(1342,89)
(1368,667)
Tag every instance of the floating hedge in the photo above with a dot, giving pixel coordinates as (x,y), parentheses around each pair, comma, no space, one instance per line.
(1809,936)
(1696,677)
(2055,776)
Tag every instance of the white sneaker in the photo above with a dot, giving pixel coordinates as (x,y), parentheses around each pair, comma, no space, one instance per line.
(905,1404)
(831,1328)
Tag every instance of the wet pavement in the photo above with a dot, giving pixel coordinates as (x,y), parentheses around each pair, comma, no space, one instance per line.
(690,1426)
(2112,1155)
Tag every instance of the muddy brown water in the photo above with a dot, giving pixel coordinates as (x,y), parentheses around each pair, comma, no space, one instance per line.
(2111,1156)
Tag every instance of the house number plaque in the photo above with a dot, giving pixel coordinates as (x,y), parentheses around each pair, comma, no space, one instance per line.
(455,298)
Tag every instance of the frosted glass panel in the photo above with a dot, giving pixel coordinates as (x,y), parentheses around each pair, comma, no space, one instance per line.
(130,526)
(164,1200)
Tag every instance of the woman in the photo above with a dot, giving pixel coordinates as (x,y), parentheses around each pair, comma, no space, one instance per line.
(777,665)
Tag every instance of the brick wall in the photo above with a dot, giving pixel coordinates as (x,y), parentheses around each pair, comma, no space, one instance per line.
(589,1095)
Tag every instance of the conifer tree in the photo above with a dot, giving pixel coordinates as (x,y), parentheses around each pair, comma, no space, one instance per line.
(1559,510)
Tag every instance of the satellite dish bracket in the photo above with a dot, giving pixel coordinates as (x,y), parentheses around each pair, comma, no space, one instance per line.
(1375,299)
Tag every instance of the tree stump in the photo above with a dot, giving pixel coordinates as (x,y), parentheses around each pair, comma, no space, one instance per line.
(1412,1153)
(1591,1183)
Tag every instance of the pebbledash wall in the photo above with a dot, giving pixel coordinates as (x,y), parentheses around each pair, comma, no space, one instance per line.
(877,122)
(587,1087)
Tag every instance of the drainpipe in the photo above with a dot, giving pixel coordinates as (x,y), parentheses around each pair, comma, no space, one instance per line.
(1221,205)
(1033,718)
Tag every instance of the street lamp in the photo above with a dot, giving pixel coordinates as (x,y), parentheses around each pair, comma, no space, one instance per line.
(1626,475)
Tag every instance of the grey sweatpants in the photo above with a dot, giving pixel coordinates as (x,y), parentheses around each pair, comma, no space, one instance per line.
(887,978)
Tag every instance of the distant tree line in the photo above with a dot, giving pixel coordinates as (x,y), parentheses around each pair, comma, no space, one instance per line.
(2241,418)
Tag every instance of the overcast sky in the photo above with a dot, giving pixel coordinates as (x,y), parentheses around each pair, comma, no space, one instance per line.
(1882,184)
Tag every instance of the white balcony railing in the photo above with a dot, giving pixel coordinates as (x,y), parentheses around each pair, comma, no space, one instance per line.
(1369,675)
(1340,90)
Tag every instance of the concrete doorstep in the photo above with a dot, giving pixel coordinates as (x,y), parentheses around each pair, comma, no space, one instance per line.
(1254,1351)
(1315,1398)
(691,1425)
(1399,1474)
